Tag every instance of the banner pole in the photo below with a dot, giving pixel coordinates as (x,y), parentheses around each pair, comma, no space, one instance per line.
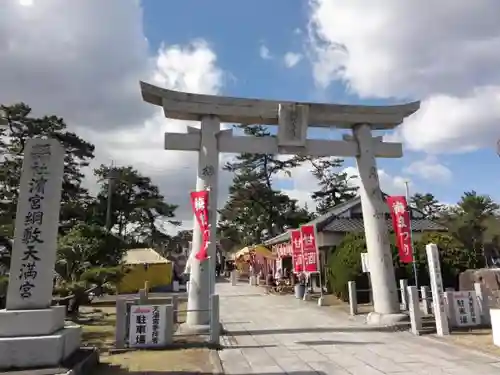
(320,279)
(415,272)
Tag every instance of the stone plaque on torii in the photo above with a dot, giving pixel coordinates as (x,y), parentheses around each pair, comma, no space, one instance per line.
(292,119)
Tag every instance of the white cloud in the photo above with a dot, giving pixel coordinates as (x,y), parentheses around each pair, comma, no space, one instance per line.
(449,124)
(430,169)
(300,185)
(390,184)
(448,57)
(264,53)
(90,76)
(291,59)
(58,64)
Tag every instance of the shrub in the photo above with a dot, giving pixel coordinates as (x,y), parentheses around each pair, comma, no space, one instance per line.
(4,284)
(454,258)
(345,263)
(100,276)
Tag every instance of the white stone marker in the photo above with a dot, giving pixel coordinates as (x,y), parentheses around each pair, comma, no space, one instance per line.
(32,333)
(233,278)
(426,306)
(403,286)
(414,309)
(482,300)
(37,221)
(365,265)
(437,289)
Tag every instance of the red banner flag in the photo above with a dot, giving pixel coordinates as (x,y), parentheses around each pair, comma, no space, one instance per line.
(297,258)
(199,201)
(401,223)
(309,248)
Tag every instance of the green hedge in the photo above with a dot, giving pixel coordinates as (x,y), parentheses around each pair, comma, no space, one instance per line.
(345,263)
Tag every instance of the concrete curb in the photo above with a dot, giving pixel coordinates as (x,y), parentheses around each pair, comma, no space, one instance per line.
(216,362)
(87,364)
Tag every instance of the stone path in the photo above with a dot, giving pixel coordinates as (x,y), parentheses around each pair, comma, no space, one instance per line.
(271,334)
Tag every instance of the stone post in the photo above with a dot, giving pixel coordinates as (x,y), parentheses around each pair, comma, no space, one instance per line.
(28,312)
(438,303)
(385,298)
(37,222)
(214,320)
(233,277)
(353,298)
(449,310)
(143,296)
(414,309)
(482,301)
(121,323)
(403,286)
(426,296)
(175,303)
(169,326)
(202,280)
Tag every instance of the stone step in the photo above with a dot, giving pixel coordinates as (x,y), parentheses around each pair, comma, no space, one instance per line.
(428,325)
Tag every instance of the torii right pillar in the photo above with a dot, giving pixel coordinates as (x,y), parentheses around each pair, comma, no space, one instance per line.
(384,289)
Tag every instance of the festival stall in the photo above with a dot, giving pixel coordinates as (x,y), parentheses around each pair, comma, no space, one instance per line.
(260,257)
(283,253)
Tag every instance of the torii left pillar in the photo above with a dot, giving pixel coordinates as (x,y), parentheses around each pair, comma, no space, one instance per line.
(202,277)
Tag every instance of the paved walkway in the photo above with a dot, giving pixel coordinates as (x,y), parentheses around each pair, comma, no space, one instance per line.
(271,334)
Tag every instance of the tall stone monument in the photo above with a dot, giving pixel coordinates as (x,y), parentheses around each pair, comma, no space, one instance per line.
(293,120)
(32,333)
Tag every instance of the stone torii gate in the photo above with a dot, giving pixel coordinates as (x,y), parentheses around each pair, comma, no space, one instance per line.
(293,120)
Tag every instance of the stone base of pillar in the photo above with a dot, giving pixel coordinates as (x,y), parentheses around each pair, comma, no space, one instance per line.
(191,329)
(387,320)
(202,329)
(39,351)
(36,338)
(41,322)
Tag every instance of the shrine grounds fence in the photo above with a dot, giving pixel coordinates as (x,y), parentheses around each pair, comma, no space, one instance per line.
(361,300)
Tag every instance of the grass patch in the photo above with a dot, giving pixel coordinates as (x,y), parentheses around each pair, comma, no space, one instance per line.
(477,338)
(98,329)
(156,362)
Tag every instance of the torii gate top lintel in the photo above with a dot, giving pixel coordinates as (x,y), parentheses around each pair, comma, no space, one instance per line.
(188,106)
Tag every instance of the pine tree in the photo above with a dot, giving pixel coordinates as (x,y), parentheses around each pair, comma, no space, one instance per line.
(255,210)
(427,204)
(335,186)
(21,126)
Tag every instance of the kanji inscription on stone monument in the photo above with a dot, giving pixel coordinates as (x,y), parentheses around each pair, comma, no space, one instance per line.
(37,220)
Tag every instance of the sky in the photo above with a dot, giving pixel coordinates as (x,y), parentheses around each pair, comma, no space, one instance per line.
(83,60)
